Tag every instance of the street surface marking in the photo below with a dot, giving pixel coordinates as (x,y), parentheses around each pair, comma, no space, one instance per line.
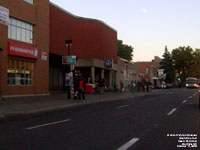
(128,144)
(47,124)
(190,97)
(184,101)
(171,112)
(122,106)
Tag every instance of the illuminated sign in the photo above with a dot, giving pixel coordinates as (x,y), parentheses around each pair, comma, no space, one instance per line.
(22,50)
(68,59)
(108,63)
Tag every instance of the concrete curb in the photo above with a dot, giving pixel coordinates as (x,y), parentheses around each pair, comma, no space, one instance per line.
(12,115)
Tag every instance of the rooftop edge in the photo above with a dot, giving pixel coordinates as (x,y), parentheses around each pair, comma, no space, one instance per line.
(82,18)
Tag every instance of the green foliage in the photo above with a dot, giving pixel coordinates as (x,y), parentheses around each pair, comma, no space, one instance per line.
(167,65)
(124,51)
(195,69)
(183,60)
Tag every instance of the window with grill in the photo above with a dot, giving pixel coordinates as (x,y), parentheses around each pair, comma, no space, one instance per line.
(29,1)
(20,31)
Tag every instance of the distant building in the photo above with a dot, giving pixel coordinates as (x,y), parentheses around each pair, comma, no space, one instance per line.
(149,71)
(157,59)
(127,72)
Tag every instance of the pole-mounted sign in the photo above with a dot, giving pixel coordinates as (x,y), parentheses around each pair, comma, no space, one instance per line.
(68,59)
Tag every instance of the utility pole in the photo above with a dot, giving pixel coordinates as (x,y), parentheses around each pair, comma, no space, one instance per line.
(68,44)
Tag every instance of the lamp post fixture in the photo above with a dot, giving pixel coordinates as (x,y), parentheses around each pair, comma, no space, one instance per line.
(68,44)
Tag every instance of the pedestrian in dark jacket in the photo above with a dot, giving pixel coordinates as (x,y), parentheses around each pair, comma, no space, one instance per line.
(143,83)
(102,85)
(81,89)
(76,86)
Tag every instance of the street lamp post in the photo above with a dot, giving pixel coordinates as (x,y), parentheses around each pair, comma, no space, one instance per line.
(68,44)
(0,71)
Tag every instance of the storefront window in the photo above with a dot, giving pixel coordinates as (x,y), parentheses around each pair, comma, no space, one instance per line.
(20,31)
(29,1)
(20,73)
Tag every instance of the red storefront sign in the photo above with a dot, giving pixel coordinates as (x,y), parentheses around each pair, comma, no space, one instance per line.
(18,49)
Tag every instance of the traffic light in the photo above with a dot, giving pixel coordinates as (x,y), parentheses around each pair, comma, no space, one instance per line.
(179,79)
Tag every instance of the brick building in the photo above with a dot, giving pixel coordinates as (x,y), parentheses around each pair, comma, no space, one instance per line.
(32,43)
(93,41)
(24,43)
(149,71)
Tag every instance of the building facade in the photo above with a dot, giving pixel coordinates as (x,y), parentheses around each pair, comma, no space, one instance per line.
(149,71)
(24,43)
(93,41)
(127,72)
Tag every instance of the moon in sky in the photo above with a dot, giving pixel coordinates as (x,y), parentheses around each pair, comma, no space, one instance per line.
(144,10)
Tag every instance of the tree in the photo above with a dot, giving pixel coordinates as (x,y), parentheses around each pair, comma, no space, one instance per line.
(124,51)
(183,60)
(168,67)
(195,69)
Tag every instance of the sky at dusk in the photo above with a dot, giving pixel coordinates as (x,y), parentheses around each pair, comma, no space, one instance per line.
(146,25)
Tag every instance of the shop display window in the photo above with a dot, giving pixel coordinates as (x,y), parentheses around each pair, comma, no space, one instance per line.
(20,73)
(20,31)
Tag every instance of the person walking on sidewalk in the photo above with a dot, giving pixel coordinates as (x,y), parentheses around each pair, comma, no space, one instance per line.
(76,87)
(102,85)
(81,89)
(121,86)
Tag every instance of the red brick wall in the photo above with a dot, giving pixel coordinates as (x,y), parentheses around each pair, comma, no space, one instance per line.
(38,15)
(90,38)
(143,65)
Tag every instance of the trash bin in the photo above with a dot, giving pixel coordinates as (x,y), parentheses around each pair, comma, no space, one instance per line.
(89,89)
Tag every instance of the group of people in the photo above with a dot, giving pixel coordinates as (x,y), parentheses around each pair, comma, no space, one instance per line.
(80,87)
(146,86)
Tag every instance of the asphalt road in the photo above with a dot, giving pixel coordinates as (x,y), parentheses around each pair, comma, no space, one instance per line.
(160,121)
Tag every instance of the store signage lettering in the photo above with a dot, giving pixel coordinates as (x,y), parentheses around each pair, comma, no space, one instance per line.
(4,15)
(22,50)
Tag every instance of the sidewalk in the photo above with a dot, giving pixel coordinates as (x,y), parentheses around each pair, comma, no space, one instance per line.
(13,107)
